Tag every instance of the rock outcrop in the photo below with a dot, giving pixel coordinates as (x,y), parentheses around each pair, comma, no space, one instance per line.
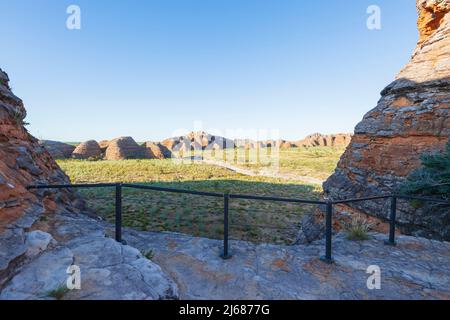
(103,145)
(58,150)
(42,233)
(320,140)
(157,150)
(197,141)
(411,118)
(87,150)
(109,269)
(125,148)
(23,161)
(265,271)
(280,143)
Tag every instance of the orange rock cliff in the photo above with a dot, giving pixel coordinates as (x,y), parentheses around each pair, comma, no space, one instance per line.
(411,118)
(22,162)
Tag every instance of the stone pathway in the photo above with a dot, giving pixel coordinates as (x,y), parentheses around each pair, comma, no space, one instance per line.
(414,269)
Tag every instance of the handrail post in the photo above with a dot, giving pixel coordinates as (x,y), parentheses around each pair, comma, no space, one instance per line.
(391,241)
(328,233)
(118,220)
(225,254)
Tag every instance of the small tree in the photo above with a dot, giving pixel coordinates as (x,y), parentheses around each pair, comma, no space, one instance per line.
(432,179)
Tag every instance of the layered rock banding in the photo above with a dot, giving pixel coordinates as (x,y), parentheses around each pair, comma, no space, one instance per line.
(103,145)
(23,161)
(411,119)
(197,141)
(125,148)
(87,150)
(43,233)
(157,150)
(320,140)
(180,146)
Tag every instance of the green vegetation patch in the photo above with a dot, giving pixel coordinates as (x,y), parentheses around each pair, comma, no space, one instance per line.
(258,221)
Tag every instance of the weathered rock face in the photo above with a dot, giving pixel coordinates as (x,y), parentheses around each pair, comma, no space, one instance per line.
(86,150)
(37,246)
(58,150)
(197,141)
(411,118)
(320,140)
(156,150)
(265,271)
(431,16)
(23,162)
(283,144)
(104,145)
(125,148)
(109,269)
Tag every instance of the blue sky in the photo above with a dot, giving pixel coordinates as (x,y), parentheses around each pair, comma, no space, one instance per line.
(148,68)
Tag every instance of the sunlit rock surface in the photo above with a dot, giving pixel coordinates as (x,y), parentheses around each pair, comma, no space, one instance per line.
(411,118)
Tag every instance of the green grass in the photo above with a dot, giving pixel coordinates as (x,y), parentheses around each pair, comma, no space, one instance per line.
(317,162)
(73,143)
(358,229)
(251,220)
(58,293)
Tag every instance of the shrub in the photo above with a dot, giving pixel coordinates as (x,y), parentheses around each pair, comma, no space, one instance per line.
(431,179)
(58,293)
(18,118)
(358,228)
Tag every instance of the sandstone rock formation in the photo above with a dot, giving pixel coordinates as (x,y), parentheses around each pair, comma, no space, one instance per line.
(42,233)
(125,148)
(87,150)
(283,144)
(266,271)
(109,269)
(313,140)
(157,150)
(320,140)
(411,118)
(197,141)
(58,150)
(23,161)
(245,144)
(103,145)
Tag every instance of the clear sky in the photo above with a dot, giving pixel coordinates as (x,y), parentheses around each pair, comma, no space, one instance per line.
(149,68)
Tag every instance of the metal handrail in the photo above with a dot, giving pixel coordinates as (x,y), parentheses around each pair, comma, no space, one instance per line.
(228,196)
(71,186)
(361,199)
(173,190)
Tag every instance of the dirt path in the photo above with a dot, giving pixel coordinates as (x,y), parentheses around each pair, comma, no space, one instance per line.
(262,173)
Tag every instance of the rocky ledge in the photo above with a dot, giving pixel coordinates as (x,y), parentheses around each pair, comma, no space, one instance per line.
(109,270)
(416,268)
(171,266)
